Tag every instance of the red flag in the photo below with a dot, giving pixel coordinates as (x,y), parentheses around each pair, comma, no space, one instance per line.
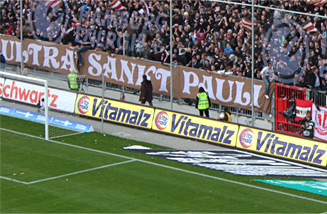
(316,3)
(117,5)
(76,24)
(53,3)
(247,24)
(303,107)
(309,28)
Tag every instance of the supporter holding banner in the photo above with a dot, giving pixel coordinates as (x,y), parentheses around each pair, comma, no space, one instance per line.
(320,120)
(303,107)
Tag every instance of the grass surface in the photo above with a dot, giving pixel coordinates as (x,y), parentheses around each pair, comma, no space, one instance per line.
(138,186)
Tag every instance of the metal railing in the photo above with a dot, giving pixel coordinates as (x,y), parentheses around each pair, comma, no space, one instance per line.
(237,112)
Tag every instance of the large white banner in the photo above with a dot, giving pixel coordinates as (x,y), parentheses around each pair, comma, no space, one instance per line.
(320,120)
(32,94)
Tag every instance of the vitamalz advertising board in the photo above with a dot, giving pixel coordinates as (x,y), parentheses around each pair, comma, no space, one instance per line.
(114,111)
(294,148)
(195,127)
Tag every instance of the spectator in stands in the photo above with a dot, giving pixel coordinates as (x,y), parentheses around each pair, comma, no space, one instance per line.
(324,83)
(228,49)
(202,102)
(146,91)
(314,83)
(147,51)
(194,63)
(212,28)
(267,75)
(301,82)
(140,47)
(84,47)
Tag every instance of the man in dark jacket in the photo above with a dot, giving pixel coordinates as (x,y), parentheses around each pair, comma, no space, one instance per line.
(2,60)
(314,83)
(194,63)
(146,91)
(301,82)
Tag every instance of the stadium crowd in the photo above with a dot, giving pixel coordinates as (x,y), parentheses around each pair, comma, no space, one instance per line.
(207,35)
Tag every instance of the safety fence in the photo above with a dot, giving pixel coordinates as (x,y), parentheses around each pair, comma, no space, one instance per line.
(285,97)
(237,112)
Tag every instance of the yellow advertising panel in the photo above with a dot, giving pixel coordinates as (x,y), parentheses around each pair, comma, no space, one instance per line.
(194,127)
(281,145)
(114,111)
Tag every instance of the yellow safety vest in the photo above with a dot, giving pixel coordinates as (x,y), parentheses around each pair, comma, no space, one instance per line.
(72,78)
(203,101)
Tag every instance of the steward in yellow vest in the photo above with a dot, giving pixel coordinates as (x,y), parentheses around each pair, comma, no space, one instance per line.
(203,102)
(72,80)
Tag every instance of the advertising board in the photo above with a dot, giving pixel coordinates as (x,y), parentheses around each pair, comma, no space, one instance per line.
(280,145)
(2,81)
(40,118)
(199,128)
(31,94)
(114,111)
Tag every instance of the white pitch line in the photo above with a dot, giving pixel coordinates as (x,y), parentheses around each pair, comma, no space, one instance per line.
(69,145)
(173,168)
(283,161)
(14,180)
(79,172)
(235,182)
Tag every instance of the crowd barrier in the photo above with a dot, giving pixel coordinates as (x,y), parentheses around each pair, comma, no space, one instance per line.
(285,97)
(288,96)
(171,122)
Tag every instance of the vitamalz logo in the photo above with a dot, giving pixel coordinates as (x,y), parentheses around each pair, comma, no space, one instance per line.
(271,144)
(246,138)
(114,112)
(162,120)
(184,125)
(83,104)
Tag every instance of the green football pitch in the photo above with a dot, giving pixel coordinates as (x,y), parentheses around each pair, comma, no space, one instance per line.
(91,173)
